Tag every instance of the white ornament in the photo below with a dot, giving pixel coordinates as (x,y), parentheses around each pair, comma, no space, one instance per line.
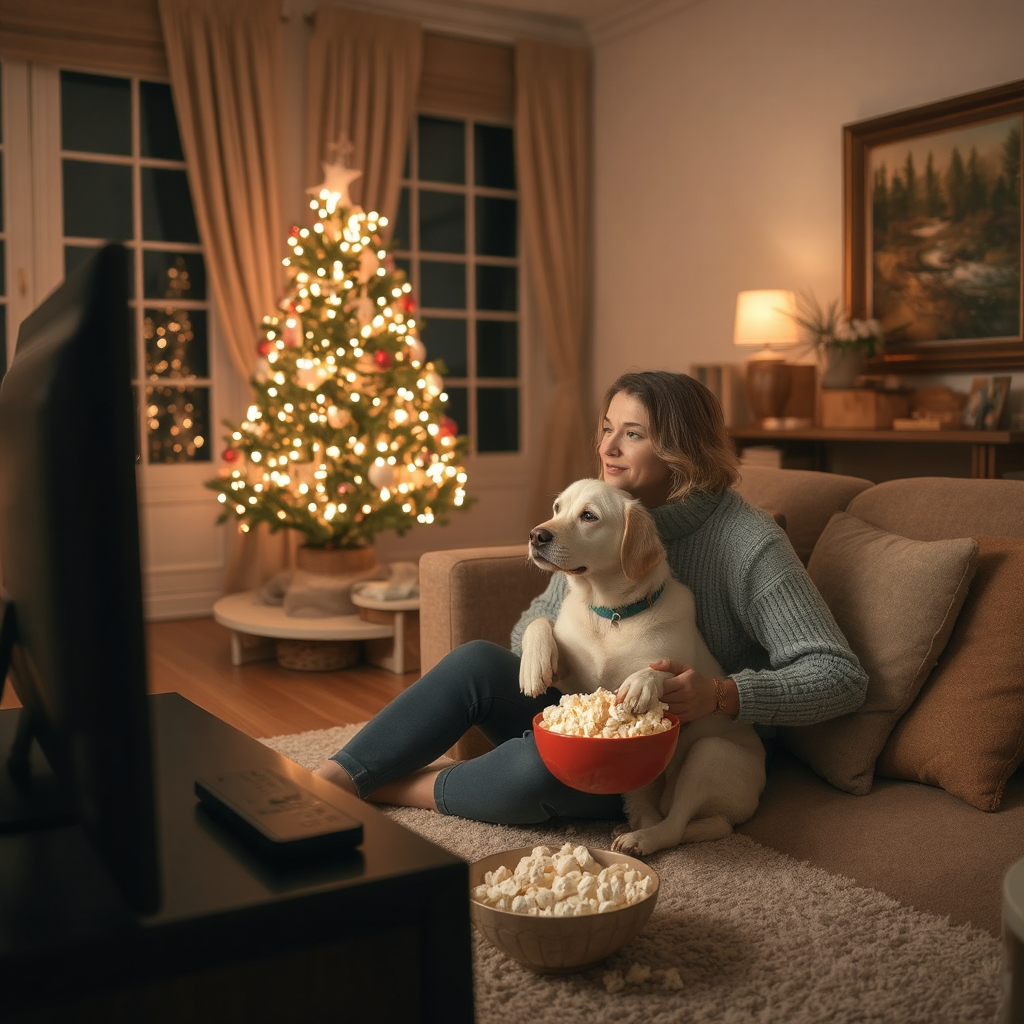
(338,418)
(381,475)
(368,264)
(417,350)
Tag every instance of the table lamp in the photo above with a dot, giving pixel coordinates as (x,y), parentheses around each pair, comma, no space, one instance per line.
(764,318)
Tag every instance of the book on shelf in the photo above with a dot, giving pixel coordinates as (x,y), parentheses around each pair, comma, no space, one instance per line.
(761,455)
(727,382)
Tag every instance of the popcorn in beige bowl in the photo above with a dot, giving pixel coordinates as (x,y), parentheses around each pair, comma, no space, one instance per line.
(620,893)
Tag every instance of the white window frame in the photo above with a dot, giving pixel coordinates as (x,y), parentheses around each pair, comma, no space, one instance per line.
(184,552)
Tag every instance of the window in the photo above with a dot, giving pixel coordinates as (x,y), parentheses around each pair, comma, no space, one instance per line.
(457,237)
(123,178)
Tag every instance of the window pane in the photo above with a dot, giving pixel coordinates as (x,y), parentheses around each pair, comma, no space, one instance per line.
(178,421)
(496,288)
(402,239)
(175,343)
(496,226)
(494,163)
(457,408)
(173,275)
(497,419)
(442,285)
(442,145)
(97,200)
(159,126)
(405,265)
(96,113)
(442,222)
(167,207)
(497,348)
(446,339)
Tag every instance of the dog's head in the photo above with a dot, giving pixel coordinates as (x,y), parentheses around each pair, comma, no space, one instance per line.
(597,529)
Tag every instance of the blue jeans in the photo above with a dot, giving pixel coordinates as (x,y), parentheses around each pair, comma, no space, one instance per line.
(476,684)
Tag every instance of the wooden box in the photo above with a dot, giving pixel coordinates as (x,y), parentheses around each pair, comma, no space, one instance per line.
(860,408)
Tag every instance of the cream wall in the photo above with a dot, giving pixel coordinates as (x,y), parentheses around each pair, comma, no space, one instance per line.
(718,153)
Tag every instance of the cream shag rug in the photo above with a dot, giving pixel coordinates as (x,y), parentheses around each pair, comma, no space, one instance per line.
(755,936)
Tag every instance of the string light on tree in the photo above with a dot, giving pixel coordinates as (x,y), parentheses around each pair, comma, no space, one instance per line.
(346,434)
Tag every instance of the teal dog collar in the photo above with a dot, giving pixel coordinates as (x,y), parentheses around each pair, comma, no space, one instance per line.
(625,611)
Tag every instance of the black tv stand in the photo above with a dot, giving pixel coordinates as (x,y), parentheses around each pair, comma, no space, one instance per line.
(379,933)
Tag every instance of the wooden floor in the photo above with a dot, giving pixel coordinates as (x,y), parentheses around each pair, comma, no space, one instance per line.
(192,657)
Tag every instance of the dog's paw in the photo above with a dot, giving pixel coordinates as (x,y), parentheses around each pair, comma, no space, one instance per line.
(538,666)
(629,843)
(641,691)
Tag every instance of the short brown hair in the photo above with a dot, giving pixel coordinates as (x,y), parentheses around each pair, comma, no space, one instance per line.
(687,429)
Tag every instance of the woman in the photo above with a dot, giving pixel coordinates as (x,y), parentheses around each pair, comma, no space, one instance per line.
(662,439)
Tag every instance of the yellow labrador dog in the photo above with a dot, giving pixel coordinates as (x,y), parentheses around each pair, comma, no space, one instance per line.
(623,611)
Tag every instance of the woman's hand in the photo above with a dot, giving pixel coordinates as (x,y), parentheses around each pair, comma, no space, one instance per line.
(690,695)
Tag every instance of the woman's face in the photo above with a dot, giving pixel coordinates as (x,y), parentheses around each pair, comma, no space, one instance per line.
(627,453)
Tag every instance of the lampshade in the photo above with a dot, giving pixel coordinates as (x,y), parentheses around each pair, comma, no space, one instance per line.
(764,318)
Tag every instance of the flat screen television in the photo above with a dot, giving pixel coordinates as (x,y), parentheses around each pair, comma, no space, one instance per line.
(73,635)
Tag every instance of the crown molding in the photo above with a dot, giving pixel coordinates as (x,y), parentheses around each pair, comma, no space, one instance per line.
(634,17)
(456,18)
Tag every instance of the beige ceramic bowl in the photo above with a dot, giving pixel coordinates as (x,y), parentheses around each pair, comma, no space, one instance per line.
(559,945)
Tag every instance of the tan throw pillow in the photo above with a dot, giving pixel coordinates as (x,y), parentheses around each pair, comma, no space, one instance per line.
(965,731)
(896,601)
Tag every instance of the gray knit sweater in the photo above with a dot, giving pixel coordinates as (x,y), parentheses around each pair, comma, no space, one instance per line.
(758,611)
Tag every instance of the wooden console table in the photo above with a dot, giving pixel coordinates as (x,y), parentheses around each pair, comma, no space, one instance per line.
(381,933)
(992,452)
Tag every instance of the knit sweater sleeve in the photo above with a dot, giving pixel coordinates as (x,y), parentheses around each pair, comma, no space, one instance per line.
(544,605)
(811,674)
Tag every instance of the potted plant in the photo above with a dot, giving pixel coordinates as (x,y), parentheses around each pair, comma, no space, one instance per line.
(842,343)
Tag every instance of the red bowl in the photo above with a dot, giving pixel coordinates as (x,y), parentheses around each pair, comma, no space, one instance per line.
(597,764)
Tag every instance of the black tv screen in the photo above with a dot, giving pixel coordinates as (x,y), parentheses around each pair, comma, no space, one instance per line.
(71,575)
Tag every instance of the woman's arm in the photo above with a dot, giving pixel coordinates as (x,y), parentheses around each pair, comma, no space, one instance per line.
(544,605)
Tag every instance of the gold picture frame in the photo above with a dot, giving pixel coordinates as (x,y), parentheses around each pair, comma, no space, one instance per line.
(933,232)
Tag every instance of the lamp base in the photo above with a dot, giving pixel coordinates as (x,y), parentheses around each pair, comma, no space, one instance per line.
(768,385)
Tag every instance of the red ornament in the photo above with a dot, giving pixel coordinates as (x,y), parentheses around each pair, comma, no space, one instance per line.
(383,359)
(408,303)
(294,231)
(264,347)
(231,455)
(447,427)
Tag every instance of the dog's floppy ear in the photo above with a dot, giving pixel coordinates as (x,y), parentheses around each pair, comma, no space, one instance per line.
(641,547)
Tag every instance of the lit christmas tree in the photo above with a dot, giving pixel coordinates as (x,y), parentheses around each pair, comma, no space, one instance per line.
(346,435)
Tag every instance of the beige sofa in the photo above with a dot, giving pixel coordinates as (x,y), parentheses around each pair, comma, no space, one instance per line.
(960,726)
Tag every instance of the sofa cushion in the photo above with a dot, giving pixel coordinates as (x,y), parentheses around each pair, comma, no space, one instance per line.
(896,601)
(965,731)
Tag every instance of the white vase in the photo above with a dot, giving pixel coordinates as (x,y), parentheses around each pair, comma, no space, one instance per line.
(840,367)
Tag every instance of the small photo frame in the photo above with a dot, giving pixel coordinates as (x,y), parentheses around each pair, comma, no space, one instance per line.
(998,389)
(986,402)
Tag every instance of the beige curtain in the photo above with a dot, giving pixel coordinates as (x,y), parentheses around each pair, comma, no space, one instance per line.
(225,59)
(363,74)
(553,165)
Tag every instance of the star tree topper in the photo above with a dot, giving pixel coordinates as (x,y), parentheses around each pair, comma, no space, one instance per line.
(337,174)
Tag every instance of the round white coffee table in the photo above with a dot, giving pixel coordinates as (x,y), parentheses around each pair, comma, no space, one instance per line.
(247,616)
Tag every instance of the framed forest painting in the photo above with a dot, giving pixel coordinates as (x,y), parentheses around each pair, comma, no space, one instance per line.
(933,231)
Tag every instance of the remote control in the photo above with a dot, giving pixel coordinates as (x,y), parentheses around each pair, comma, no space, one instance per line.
(279,819)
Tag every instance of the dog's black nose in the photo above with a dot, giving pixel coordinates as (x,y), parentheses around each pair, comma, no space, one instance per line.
(540,536)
